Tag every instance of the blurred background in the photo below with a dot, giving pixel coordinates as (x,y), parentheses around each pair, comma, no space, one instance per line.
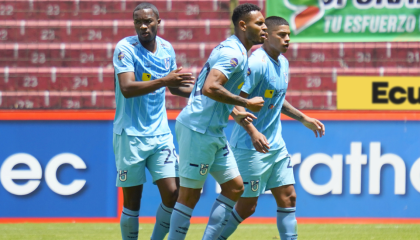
(58,54)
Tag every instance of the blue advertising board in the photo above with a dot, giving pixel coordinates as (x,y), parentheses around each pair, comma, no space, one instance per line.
(67,169)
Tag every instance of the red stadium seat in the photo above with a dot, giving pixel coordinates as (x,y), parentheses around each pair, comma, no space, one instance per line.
(175,102)
(312,100)
(109,30)
(21,100)
(88,54)
(58,53)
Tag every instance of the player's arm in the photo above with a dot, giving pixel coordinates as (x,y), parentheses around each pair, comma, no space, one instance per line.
(182,91)
(132,88)
(313,124)
(258,139)
(213,88)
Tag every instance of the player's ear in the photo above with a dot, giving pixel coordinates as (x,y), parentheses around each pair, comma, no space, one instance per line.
(158,21)
(242,25)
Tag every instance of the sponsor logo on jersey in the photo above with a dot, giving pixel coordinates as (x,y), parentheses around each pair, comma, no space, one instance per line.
(248,72)
(269,93)
(203,169)
(146,77)
(255,185)
(240,85)
(233,62)
(123,175)
(121,55)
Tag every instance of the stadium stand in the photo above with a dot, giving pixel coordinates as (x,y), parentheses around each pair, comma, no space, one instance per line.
(57,54)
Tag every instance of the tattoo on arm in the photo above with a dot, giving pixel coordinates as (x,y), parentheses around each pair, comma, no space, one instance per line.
(291,111)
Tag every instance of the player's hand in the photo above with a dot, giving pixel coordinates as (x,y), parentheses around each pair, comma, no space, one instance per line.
(244,118)
(255,104)
(315,125)
(177,79)
(260,142)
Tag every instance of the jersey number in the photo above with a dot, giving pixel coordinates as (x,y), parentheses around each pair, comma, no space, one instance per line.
(169,155)
(227,149)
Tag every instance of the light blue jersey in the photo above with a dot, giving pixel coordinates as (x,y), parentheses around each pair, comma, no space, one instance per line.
(143,115)
(268,79)
(203,114)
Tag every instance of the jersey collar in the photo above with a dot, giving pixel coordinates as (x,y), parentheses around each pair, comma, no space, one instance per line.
(274,61)
(157,46)
(235,38)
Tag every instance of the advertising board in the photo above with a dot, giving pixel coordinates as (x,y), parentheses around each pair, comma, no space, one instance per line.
(378,93)
(359,169)
(349,20)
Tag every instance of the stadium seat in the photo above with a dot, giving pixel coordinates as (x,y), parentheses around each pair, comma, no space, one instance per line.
(58,53)
(352,55)
(63,79)
(175,102)
(57,99)
(312,100)
(122,10)
(87,54)
(109,30)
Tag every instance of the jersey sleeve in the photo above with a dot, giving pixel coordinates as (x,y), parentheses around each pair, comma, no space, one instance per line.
(254,74)
(123,59)
(229,61)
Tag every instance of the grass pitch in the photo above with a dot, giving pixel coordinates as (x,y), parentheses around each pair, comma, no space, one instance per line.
(102,231)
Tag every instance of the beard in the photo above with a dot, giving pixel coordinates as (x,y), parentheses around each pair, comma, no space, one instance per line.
(148,39)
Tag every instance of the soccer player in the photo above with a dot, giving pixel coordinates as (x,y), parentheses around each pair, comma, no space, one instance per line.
(203,147)
(259,149)
(144,65)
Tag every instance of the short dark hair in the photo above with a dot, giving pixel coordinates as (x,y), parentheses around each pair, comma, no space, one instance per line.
(146,5)
(275,21)
(242,10)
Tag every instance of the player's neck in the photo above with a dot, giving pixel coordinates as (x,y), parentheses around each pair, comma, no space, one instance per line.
(150,46)
(273,53)
(247,44)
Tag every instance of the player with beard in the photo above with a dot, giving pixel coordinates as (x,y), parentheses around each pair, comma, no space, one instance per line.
(144,65)
(259,148)
(203,147)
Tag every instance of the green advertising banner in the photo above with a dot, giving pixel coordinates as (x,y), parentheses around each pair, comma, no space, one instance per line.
(349,20)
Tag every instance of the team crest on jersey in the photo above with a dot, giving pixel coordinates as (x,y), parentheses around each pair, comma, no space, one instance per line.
(121,56)
(135,44)
(271,106)
(255,185)
(204,169)
(167,63)
(123,175)
(233,62)
(248,72)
